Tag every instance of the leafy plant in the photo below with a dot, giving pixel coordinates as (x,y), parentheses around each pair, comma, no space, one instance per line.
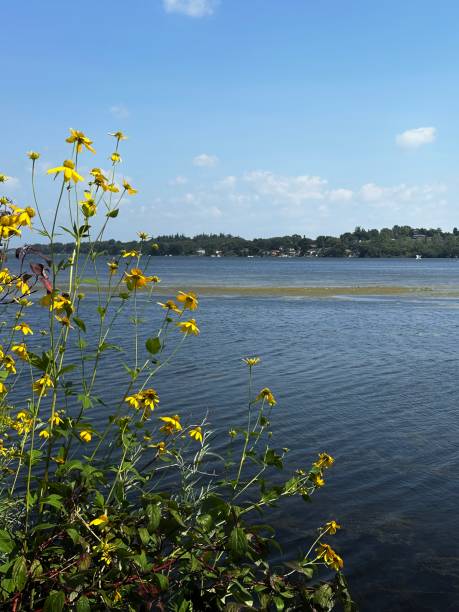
(139,513)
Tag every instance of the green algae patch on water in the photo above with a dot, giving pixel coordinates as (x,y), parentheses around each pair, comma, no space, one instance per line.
(305,292)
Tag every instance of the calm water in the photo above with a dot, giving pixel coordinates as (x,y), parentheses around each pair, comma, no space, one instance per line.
(372,381)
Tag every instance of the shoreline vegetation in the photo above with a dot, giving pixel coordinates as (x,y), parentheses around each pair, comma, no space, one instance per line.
(398,241)
(112,496)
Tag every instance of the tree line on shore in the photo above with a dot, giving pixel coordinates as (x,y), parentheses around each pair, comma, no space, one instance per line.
(398,241)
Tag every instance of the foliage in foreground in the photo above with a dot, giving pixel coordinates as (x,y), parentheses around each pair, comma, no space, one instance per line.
(136,512)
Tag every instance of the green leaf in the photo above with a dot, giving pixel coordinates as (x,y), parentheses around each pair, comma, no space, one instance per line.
(153,345)
(237,542)
(6,542)
(83,604)
(113,213)
(53,500)
(54,602)
(144,535)
(161,581)
(153,513)
(36,569)
(323,597)
(80,323)
(19,573)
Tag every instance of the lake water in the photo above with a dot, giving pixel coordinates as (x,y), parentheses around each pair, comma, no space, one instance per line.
(371,380)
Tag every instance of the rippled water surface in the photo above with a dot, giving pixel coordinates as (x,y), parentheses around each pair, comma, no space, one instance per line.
(372,381)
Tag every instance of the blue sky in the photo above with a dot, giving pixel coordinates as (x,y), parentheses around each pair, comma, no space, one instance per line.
(252,117)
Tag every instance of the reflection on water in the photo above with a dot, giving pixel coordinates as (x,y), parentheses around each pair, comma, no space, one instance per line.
(371,381)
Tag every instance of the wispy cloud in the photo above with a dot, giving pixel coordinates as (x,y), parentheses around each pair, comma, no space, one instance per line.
(11,184)
(191,8)
(179,180)
(205,161)
(119,111)
(415,138)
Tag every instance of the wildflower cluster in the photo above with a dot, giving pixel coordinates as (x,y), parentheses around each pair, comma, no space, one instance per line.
(113,498)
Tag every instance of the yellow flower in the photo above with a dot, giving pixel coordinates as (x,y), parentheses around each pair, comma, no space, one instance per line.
(142,235)
(318,480)
(100,520)
(129,253)
(251,361)
(9,364)
(129,188)
(42,384)
(3,178)
(22,286)
(85,435)
(332,527)
(188,327)
(3,388)
(105,549)
(68,168)
(118,135)
(266,394)
(44,433)
(325,461)
(196,434)
(23,422)
(33,155)
(170,305)
(3,450)
(55,419)
(136,279)
(113,266)
(24,328)
(331,558)
(80,139)
(88,205)
(117,597)
(150,398)
(115,157)
(23,216)
(59,303)
(134,400)
(146,399)
(21,351)
(172,424)
(189,300)
(161,447)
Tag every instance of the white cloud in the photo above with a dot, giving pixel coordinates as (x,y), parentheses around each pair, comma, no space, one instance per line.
(205,161)
(119,111)
(229,182)
(287,188)
(372,193)
(191,8)
(340,195)
(178,180)
(412,139)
